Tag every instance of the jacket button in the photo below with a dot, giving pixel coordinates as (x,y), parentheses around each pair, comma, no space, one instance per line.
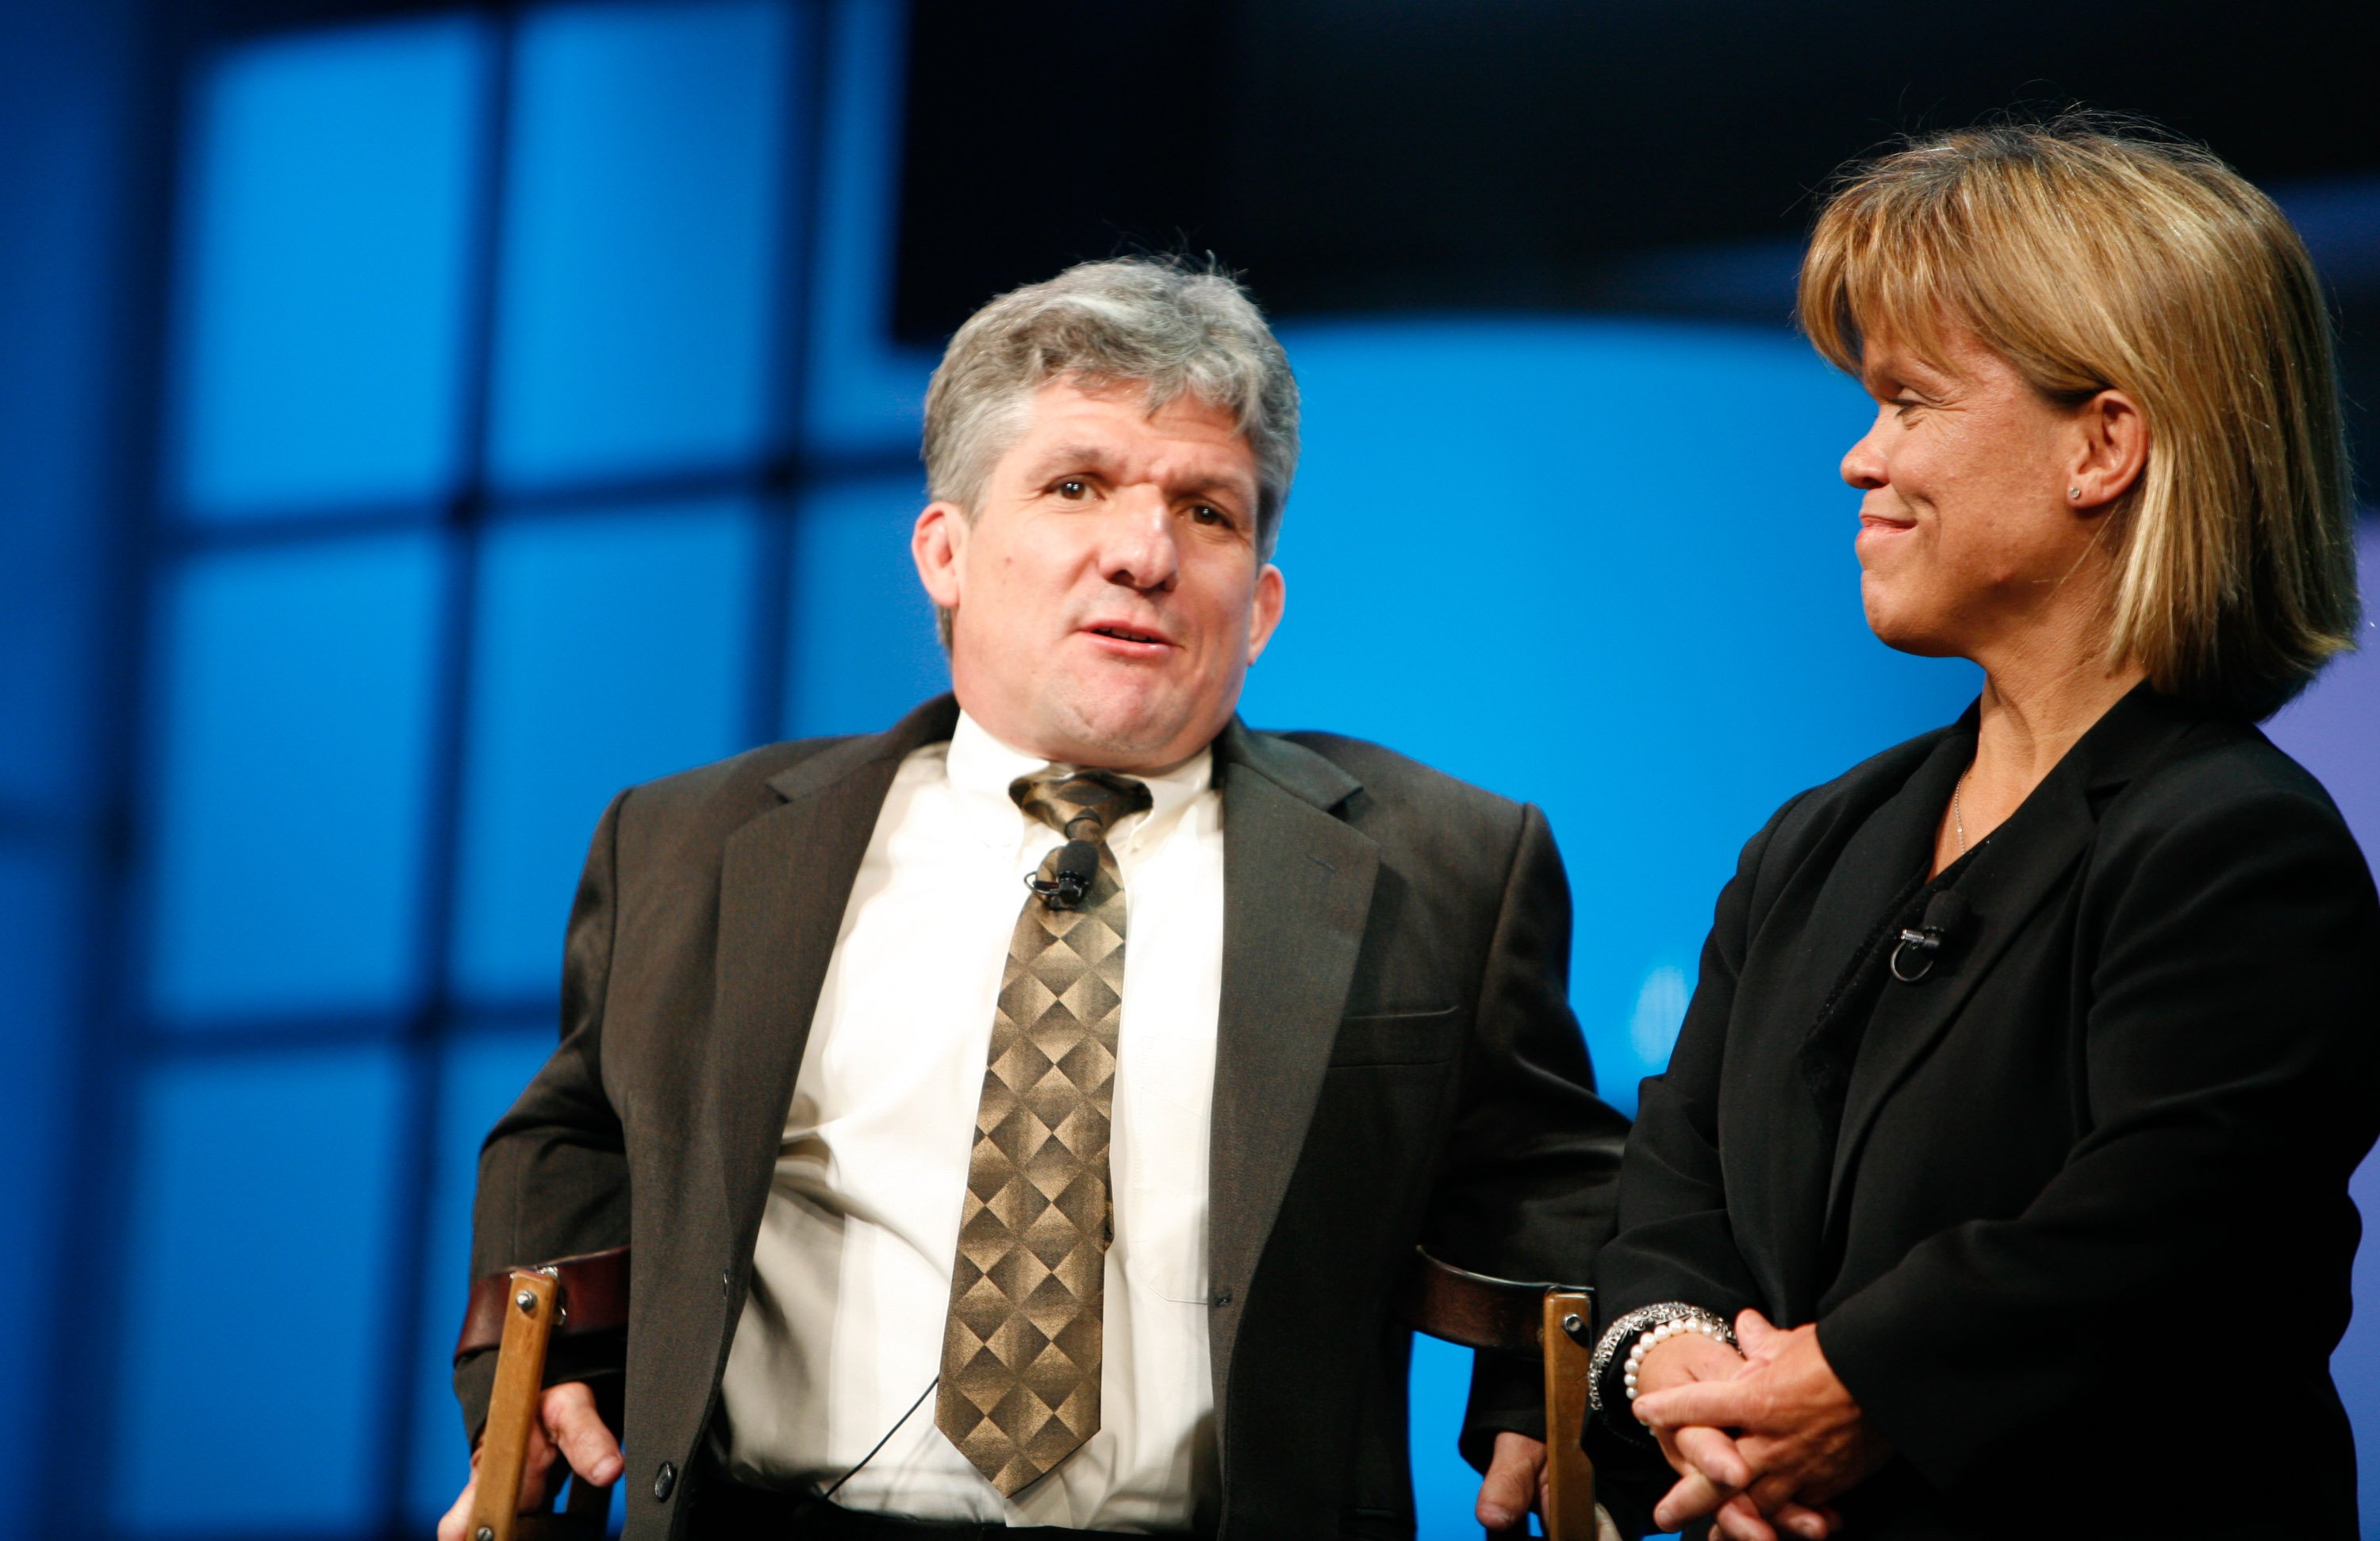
(1223,1296)
(725,1289)
(663,1480)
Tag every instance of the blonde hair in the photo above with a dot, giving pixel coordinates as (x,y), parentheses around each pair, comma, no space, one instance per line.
(2095,254)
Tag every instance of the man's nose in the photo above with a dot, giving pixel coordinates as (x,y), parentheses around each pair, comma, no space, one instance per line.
(1137,547)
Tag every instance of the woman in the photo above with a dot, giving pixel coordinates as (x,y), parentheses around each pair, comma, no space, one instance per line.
(1998,1184)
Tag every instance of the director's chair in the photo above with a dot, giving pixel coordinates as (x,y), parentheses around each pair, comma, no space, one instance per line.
(519,1311)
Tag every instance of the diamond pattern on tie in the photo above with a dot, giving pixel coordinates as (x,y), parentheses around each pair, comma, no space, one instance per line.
(1021,1352)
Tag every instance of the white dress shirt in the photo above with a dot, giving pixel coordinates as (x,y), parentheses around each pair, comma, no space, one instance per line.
(851,1280)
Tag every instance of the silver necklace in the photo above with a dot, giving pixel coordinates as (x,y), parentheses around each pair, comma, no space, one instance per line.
(1958,814)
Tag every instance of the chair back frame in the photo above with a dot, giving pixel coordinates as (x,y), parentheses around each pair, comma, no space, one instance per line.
(1549,1323)
(520,1311)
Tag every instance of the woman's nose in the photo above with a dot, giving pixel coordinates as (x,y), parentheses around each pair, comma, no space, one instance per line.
(1863,464)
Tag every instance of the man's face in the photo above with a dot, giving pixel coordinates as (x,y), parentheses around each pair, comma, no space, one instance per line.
(1107,598)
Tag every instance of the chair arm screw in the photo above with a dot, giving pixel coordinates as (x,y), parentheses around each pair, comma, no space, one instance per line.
(485,1532)
(526,1301)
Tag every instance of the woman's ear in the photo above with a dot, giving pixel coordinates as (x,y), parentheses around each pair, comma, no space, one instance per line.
(2114,448)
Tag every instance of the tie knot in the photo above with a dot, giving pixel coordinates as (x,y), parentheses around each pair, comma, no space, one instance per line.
(1065,799)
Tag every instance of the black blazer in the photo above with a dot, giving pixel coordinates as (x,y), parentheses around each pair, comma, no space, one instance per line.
(1396,1063)
(2080,1244)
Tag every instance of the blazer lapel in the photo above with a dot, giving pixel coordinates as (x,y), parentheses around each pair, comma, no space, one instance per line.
(1298,891)
(1871,853)
(783,884)
(2009,879)
(1799,1077)
(1883,862)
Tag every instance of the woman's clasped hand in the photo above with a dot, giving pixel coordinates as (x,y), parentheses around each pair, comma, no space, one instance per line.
(1763,1440)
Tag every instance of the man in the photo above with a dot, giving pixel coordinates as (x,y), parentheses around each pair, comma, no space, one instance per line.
(1022,1116)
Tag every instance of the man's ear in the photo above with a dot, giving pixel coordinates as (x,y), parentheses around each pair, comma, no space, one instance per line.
(1271,594)
(938,546)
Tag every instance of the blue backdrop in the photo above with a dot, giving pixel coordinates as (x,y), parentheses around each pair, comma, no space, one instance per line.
(523,425)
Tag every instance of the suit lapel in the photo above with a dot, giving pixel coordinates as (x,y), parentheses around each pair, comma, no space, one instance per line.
(2009,879)
(1297,884)
(783,884)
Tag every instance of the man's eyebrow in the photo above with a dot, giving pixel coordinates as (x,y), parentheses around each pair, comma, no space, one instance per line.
(1085,455)
(1101,458)
(1237,487)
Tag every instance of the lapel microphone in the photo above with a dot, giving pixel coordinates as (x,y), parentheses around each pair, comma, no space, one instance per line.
(1078,867)
(1914,958)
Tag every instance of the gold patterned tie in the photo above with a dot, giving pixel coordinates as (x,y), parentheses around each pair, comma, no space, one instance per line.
(1021,1354)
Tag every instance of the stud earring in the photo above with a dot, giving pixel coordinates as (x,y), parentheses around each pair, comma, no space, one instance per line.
(2074,492)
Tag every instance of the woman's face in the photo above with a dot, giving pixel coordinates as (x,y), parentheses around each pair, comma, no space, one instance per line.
(1969,535)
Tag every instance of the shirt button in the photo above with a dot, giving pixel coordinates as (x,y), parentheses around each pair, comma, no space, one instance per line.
(663,1480)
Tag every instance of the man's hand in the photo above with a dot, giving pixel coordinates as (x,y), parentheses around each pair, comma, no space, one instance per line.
(565,1419)
(1802,1440)
(1515,1484)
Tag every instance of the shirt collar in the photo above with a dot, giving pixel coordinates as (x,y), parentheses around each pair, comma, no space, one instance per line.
(982,767)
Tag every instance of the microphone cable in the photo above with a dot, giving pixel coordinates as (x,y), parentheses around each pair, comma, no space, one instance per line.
(886,1441)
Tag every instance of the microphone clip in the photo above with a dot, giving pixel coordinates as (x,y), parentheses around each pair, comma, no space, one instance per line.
(1912,959)
(1920,947)
(1066,889)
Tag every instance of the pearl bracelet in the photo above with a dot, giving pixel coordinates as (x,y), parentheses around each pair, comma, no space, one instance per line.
(1710,1328)
(1643,1329)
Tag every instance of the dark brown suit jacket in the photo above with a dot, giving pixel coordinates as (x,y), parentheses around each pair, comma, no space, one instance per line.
(1396,1063)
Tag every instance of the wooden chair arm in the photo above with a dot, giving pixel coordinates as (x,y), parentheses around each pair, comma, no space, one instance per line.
(593,1297)
(1549,1323)
(518,1313)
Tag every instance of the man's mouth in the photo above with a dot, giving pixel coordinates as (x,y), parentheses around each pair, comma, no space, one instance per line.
(1129,634)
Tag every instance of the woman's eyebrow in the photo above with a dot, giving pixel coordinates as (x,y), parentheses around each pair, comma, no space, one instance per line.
(1902,373)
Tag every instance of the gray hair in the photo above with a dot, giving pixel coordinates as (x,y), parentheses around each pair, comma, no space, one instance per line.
(1161,322)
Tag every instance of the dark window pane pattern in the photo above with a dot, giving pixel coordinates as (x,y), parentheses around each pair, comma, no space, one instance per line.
(40,908)
(485,1069)
(865,393)
(324,269)
(641,239)
(289,800)
(260,1263)
(612,648)
(862,648)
